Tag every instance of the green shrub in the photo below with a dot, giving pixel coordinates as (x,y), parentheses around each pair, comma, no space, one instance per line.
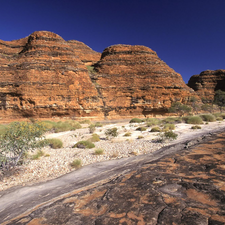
(196,127)
(179,108)
(194,120)
(140,137)
(111,132)
(18,139)
(39,154)
(141,128)
(49,125)
(99,151)
(127,134)
(172,120)
(77,163)
(168,135)
(55,143)
(92,128)
(98,124)
(136,120)
(208,117)
(155,129)
(219,115)
(169,126)
(84,144)
(94,138)
(152,122)
(219,118)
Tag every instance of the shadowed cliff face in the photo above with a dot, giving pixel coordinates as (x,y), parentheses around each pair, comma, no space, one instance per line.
(207,82)
(133,79)
(184,187)
(43,75)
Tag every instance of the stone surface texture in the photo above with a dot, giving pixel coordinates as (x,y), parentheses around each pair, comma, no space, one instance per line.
(185,187)
(41,76)
(134,80)
(45,76)
(207,82)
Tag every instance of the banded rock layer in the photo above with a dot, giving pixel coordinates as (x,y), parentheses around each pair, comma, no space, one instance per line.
(41,76)
(134,80)
(207,82)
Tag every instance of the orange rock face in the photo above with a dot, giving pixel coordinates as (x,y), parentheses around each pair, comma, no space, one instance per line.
(44,76)
(85,53)
(133,80)
(41,76)
(207,82)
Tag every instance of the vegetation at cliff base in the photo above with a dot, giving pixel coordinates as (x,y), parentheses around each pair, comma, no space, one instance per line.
(18,139)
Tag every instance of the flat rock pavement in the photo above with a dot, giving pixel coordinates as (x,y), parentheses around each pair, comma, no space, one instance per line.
(179,184)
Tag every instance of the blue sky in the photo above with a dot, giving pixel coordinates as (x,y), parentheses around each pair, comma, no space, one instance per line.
(189,35)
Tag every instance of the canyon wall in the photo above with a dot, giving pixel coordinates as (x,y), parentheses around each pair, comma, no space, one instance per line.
(207,82)
(44,76)
(134,80)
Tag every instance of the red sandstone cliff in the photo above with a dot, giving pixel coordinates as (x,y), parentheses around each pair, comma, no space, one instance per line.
(134,80)
(43,75)
(207,82)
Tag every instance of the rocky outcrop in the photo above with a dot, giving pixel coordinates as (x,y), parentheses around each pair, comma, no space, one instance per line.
(133,80)
(207,82)
(85,53)
(41,76)
(172,186)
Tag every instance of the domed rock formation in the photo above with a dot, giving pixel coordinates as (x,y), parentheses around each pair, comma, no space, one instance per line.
(41,76)
(133,80)
(207,82)
(85,53)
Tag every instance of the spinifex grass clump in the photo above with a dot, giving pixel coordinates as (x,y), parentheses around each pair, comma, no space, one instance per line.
(84,144)
(168,127)
(208,117)
(168,135)
(152,122)
(54,143)
(155,129)
(61,126)
(94,138)
(141,128)
(77,163)
(99,151)
(17,140)
(136,120)
(194,120)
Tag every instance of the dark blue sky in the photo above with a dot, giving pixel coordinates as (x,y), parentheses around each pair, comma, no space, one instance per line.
(189,35)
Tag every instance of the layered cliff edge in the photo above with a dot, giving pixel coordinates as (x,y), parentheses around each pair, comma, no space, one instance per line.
(44,76)
(207,82)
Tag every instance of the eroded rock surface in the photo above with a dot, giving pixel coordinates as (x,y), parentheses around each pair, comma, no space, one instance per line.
(134,80)
(185,186)
(207,82)
(41,76)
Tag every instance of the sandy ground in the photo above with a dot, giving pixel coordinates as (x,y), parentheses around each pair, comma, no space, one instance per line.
(56,162)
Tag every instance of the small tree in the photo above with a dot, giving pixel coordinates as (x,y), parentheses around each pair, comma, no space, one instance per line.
(18,139)
(179,108)
(219,99)
(111,132)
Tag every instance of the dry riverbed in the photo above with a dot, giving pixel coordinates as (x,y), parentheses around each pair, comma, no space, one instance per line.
(56,162)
